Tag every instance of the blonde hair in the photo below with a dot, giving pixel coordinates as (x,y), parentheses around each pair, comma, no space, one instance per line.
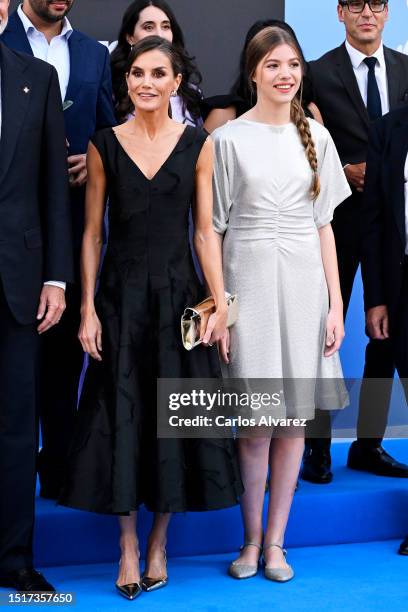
(261,45)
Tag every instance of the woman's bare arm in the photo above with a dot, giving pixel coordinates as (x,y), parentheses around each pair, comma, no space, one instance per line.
(90,333)
(335,319)
(219,117)
(315,112)
(206,242)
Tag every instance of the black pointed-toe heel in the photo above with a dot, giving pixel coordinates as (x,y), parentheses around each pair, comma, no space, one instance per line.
(152,584)
(129,591)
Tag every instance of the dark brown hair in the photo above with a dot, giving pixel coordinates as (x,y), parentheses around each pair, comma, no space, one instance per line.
(156,43)
(260,46)
(189,89)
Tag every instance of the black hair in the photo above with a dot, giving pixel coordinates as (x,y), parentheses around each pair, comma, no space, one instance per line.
(189,90)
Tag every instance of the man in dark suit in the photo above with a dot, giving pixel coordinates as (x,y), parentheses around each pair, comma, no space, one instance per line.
(83,66)
(35,248)
(354,84)
(384,252)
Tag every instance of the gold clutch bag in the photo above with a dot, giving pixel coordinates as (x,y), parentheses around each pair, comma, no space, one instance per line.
(194,320)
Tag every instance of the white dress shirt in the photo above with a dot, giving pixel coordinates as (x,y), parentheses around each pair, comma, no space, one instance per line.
(361,71)
(56,52)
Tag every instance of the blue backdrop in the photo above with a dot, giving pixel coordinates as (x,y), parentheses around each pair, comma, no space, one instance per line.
(318,29)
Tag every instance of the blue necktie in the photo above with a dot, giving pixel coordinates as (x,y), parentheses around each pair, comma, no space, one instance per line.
(373,93)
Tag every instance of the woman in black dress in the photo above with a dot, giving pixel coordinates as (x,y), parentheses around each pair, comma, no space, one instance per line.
(217,110)
(152,168)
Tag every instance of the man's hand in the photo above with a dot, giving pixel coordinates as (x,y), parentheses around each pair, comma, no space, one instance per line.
(377,322)
(77,170)
(355,174)
(51,307)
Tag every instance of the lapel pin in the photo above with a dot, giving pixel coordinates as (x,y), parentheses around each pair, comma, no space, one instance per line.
(26,89)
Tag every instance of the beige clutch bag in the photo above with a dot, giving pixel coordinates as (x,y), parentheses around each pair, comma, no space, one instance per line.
(194,320)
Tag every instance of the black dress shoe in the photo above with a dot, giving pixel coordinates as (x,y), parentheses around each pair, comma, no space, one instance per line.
(26,580)
(403,549)
(375,460)
(316,466)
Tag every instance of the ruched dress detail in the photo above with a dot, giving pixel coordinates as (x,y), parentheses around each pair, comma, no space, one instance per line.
(272,256)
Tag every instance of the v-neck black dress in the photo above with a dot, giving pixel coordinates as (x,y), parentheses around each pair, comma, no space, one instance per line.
(116,461)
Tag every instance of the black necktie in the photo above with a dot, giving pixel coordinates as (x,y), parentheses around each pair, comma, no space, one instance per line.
(373,93)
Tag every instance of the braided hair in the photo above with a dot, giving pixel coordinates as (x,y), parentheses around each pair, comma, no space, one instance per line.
(297,115)
(263,43)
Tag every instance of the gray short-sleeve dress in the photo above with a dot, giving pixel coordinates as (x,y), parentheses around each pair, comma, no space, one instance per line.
(271,252)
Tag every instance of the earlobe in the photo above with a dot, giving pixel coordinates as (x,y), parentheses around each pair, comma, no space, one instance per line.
(130,40)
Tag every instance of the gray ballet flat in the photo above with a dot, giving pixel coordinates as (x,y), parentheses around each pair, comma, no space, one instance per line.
(278,574)
(241,570)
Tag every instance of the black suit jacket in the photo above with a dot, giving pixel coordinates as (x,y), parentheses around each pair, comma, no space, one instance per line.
(383,212)
(338,98)
(35,228)
(90,90)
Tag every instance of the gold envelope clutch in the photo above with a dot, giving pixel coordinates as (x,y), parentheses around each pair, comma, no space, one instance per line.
(194,320)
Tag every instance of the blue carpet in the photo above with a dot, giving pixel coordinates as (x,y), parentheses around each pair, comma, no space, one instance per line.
(356,507)
(347,578)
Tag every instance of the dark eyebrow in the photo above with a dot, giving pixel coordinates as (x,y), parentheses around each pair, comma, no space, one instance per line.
(271,59)
(166,21)
(155,68)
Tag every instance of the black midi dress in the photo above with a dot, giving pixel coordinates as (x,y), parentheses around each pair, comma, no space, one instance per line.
(117,462)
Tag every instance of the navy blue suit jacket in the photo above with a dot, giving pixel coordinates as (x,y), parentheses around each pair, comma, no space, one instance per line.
(89,88)
(35,227)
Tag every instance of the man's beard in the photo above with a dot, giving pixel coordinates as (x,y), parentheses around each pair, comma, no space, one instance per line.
(46,16)
(3,25)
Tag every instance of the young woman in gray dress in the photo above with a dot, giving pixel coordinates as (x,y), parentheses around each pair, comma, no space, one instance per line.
(277,181)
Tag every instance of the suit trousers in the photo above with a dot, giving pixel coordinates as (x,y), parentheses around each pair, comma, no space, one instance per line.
(19,360)
(397,345)
(399,333)
(379,363)
(62,361)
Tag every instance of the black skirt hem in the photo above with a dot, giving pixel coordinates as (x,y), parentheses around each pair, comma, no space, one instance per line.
(173,509)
